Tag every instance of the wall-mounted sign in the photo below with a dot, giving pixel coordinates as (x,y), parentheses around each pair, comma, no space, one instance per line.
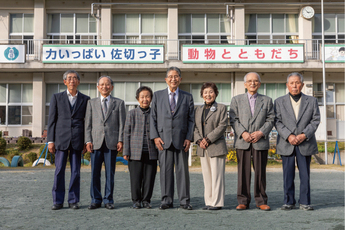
(243,54)
(12,54)
(103,54)
(334,52)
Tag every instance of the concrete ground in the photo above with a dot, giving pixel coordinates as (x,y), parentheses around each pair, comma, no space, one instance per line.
(25,203)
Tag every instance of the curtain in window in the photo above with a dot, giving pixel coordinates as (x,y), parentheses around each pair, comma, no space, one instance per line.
(119,90)
(161,23)
(82,23)
(147,24)
(132,23)
(227,27)
(28,23)
(198,23)
(184,23)
(339,92)
(160,86)
(119,23)
(2,93)
(84,89)
(131,88)
(196,93)
(16,23)
(67,23)
(50,90)
(341,23)
(53,24)
(27,93)
(341,112)
(14,93)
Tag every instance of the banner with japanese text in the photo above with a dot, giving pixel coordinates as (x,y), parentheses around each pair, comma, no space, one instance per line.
(12,54)
(243,54)
(103,54)
(334,52)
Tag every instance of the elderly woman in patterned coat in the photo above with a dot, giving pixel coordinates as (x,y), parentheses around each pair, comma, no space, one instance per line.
(140,151)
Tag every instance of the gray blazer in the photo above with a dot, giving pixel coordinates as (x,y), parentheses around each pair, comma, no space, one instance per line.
(134,135)
(241,120)
(307,122)
(173,129)
(215,126)
(110,128)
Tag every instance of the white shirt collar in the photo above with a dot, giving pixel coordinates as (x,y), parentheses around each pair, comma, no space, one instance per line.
(70,95)
(177,91)
(108,98)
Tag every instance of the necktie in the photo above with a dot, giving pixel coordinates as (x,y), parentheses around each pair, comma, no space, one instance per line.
(172,102)
(105,108)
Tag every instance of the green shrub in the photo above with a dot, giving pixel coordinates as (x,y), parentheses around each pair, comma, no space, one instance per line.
(48,154)
(3,144)
(87,156)
(24,143)
(32,157)
(11,153)
(0,133)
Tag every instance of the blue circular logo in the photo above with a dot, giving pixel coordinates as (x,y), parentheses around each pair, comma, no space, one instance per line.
(11,54)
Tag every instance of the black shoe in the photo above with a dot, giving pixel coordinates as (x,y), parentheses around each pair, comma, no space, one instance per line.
(94,206)
(214,208)
(146,205)
(73,205)
(136,205)
(287,207)
(165,206)
(206,207)
(109,206)
(57,206)
(186,206)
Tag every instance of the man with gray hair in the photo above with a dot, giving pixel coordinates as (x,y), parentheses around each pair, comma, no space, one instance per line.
(66,138)
(251,117)
(297,117)
(104,124)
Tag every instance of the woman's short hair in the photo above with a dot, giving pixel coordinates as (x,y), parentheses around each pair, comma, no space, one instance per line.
(143,88)
(209,85)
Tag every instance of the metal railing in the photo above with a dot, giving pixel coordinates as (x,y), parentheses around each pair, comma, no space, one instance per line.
(172,47)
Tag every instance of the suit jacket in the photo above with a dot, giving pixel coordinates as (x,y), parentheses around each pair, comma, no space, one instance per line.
(215,126)
(66,126)
(172,128)
(241,120)
(134,135)
(109,128)
(307,122)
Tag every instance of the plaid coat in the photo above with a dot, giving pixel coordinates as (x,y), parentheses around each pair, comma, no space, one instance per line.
(133,135)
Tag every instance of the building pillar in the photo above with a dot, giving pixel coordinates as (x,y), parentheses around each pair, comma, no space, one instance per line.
(173,45)
(239,83)
(39,19)
(106,24)
(305,30)
(239,25)
(38,104)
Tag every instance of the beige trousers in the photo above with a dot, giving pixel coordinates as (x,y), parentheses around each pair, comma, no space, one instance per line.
(213,170)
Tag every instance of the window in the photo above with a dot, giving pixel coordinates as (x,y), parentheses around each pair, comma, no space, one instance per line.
(22,30)
(203,28)
(335,99)
(51,89)
(15,104)
(271,28)
(272,90)
(140,28)
(71,29)
(334,25)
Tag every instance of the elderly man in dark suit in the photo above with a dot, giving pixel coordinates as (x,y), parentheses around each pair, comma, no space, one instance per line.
(171,127)
(66,137)
(104,124)
(297,119)
(252,118)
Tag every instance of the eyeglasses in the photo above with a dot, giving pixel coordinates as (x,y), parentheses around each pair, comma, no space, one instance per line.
(71,78)
(173,77)
(254,82)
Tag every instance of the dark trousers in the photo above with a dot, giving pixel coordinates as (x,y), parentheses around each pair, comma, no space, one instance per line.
(58,190)
(244,175)
(142,175)
(97,158)
(167,159)
(303,164)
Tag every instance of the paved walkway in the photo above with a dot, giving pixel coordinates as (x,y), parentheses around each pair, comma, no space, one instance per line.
(25,202)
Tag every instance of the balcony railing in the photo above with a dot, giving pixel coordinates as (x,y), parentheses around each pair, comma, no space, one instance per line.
(172,47)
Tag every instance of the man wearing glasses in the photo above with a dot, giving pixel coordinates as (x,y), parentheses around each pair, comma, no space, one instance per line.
(252,118)
(66,138)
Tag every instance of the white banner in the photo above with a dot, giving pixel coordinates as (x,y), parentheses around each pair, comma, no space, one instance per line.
(103,54)
(12,54)
(242,54)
